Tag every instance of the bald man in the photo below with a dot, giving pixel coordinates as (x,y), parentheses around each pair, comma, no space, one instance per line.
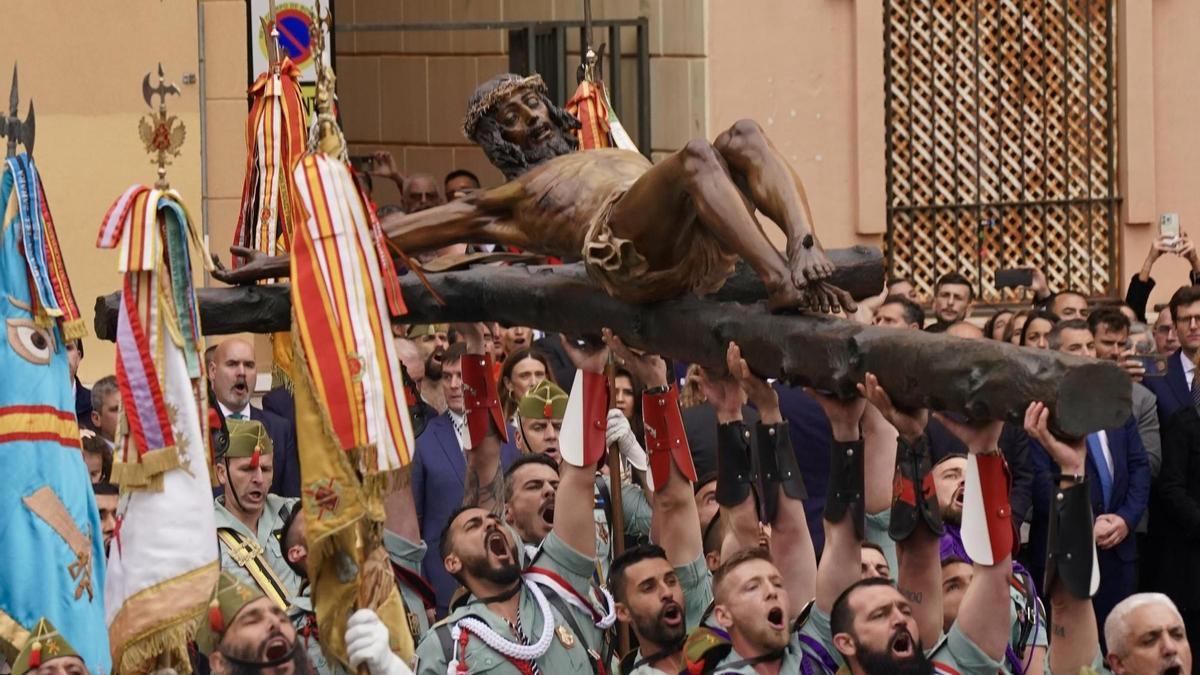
(232,372)
(421,192)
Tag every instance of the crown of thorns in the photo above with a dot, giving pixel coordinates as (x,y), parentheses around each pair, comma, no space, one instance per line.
(482,104)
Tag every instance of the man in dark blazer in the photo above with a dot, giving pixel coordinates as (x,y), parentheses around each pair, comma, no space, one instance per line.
(439,470)
(1118,476)
(1177,519)
(232,373)
(83,395)
(1174,390)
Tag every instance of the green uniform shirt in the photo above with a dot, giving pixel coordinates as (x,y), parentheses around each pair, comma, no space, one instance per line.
(815,628)
(877,533)
(568,652)
(955,654)
(408,555)
(269,524)
(637,512)
(696,581)
(301,615)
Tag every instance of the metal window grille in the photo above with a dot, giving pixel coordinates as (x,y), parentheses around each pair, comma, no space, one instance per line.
(1001,142)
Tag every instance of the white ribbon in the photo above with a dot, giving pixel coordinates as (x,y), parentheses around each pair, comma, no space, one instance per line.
(491,638)
(604,622)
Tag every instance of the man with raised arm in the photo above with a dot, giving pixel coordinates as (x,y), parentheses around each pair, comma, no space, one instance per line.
(537,620)
(661,591)
(875,626)
(935,573)
(755,604)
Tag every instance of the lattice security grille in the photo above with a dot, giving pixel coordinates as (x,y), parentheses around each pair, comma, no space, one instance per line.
(1001,141)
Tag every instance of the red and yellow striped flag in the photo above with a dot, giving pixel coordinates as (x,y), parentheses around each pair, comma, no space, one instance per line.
(601,128)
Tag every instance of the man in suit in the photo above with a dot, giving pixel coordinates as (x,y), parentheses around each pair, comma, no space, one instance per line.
(1179,390)
(1111,330)
(83,395)
(439,471)
(1118,474)
(232,372)
(106,410)
(1177,519)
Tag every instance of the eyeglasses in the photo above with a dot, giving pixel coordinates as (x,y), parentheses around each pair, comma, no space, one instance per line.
(1187,320)
(1163,330)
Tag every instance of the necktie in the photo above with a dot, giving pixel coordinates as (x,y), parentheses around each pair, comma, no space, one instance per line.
(534,669)
(237,416)
(1102,470)
(1196,389)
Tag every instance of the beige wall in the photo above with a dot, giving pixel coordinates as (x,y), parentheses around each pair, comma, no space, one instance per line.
(817,89)
(82,63)
(810,72)
(798,83)
(407,91)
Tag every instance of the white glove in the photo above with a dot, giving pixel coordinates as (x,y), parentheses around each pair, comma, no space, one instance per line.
(367,644)
(621,434)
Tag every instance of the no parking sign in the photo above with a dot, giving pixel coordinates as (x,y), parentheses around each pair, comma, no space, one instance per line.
(297,23)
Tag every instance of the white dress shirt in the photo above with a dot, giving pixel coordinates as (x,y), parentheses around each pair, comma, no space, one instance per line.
(245,412)
(1189,368)
(460,430)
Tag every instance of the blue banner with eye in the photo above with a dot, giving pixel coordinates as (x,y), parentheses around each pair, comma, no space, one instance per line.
(52,560)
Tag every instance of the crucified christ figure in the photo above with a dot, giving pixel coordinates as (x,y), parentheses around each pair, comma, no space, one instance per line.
(646,232)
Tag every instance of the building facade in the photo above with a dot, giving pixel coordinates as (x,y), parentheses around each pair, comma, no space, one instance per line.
(961,135)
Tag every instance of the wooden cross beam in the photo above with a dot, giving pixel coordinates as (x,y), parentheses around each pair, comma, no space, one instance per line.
(982,379)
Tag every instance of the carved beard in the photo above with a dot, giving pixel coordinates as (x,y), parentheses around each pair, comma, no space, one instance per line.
(558,143)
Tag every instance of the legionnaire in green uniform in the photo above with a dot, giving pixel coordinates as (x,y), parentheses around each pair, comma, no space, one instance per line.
(249,519)
(47,651)
(539,620)
(875,627)
(245,631)
(539,422)
(756,607)
(662,592)
(1029,633)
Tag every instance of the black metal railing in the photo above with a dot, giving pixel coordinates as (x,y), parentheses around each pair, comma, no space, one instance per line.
(541,47)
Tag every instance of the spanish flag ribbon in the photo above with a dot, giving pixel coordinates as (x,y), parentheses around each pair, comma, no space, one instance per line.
(600,126)
(352,420)
(276,136)
(152,229)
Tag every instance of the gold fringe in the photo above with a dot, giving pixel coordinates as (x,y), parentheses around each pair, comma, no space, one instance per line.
(141,655)
(75,329)
(281,378)
(146,475)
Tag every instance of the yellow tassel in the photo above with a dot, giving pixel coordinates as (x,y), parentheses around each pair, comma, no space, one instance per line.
(76,329)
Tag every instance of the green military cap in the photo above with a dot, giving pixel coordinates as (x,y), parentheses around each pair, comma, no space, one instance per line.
(228,598)
(247,437)
(545,401)
(422,329)
(44,644)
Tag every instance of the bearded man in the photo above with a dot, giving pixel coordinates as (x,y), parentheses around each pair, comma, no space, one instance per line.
(245,632)
(646,231)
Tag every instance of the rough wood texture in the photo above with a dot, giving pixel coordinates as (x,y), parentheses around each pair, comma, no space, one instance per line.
(982,379)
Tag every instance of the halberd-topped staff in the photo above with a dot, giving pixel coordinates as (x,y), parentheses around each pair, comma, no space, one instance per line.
(162,565)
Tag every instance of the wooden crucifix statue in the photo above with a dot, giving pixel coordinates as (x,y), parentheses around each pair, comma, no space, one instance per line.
(646,232)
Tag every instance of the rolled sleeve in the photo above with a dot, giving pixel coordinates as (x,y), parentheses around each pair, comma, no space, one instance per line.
(696,580)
